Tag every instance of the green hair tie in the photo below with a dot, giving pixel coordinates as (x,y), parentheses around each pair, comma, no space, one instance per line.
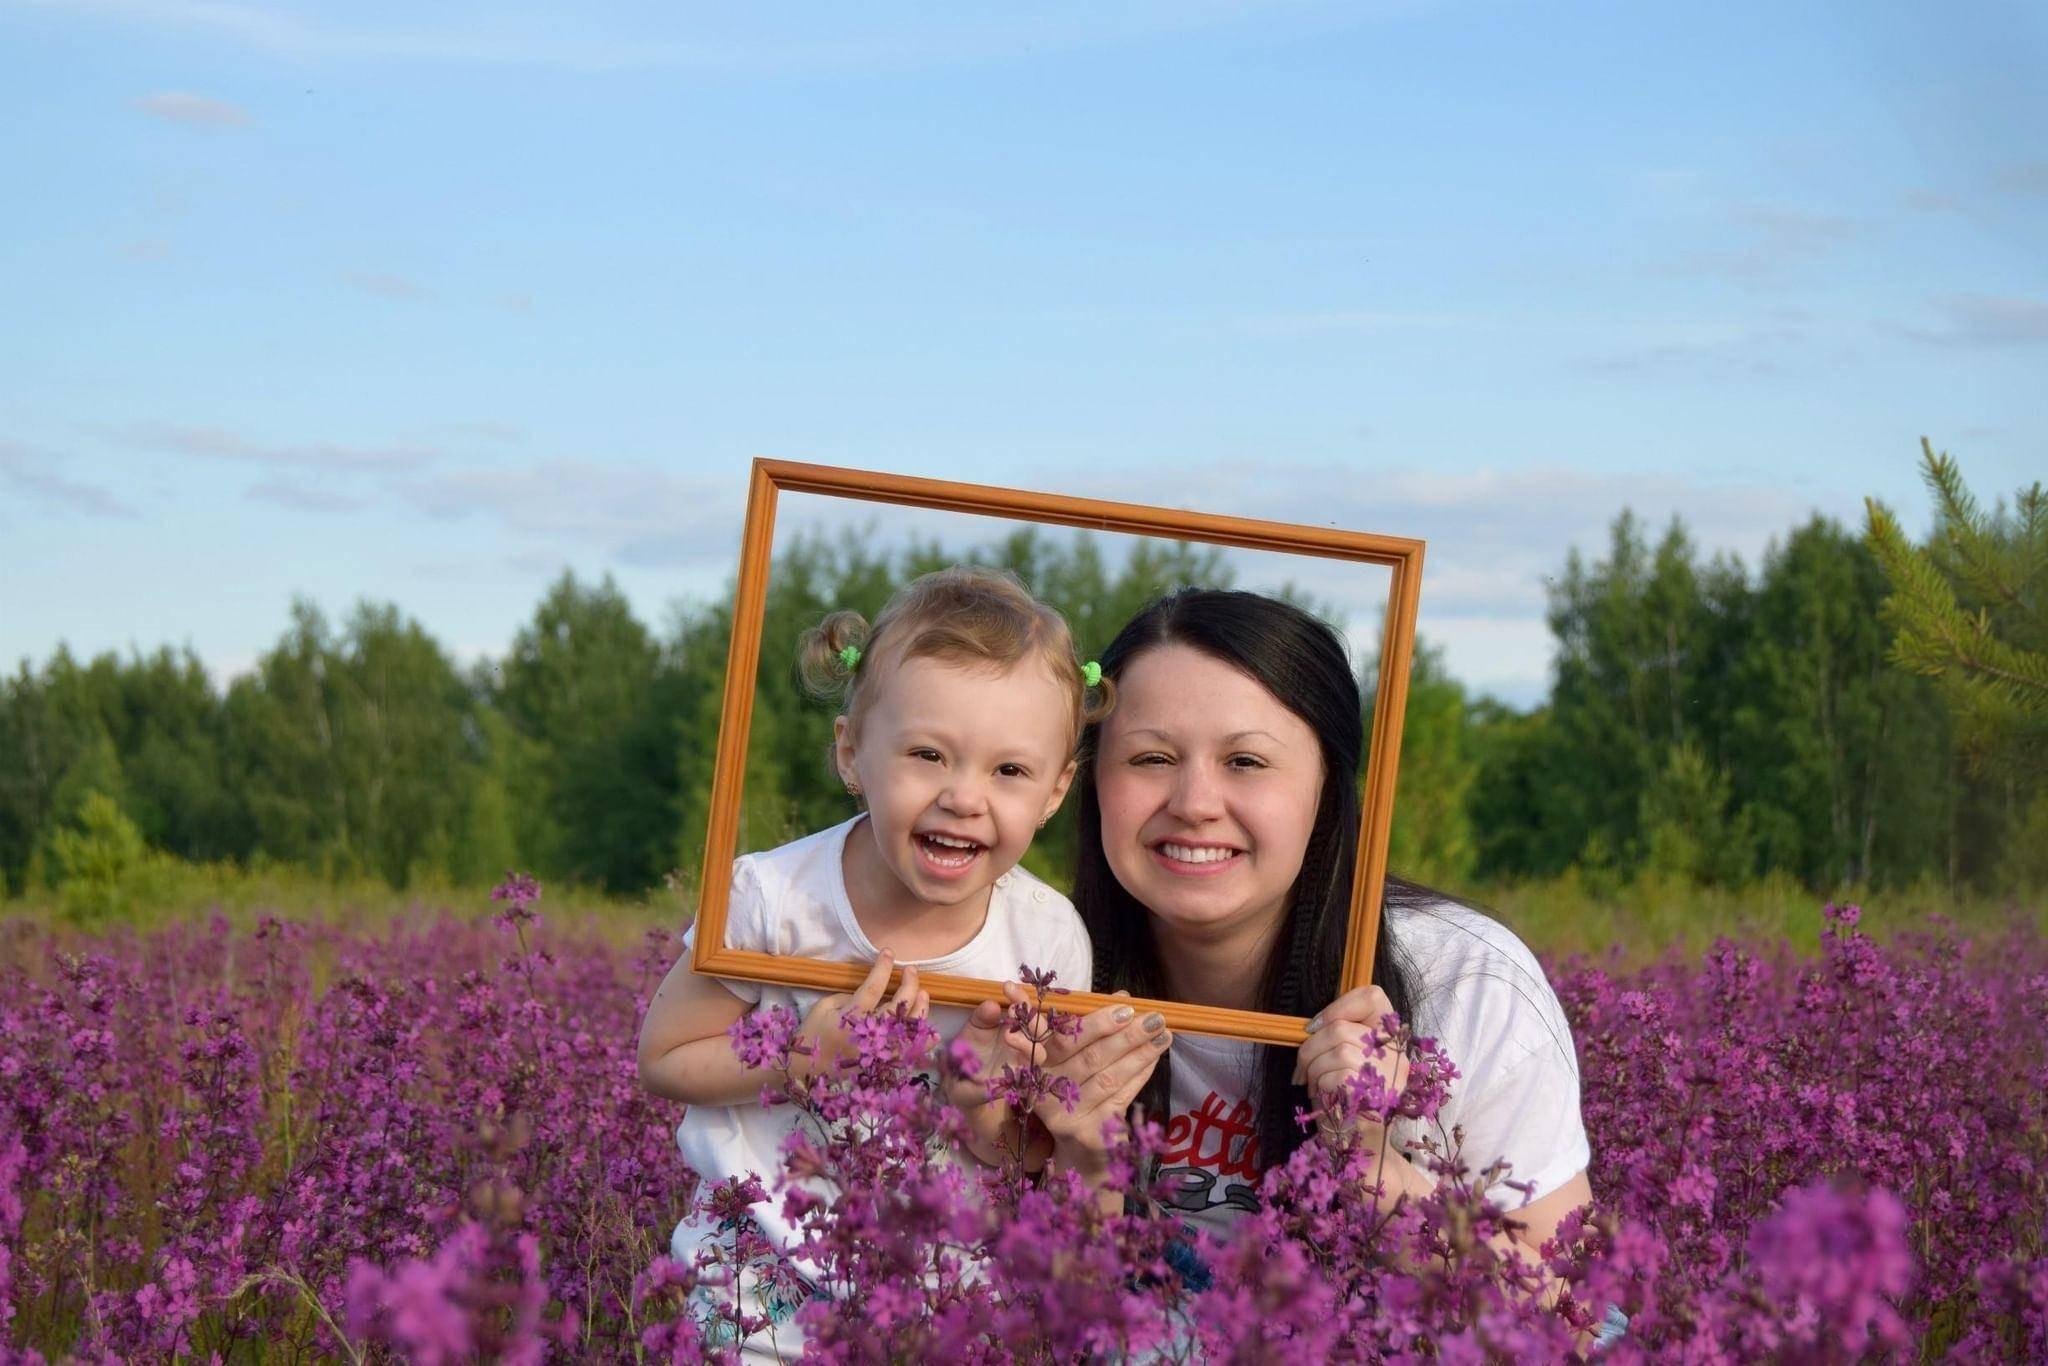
(1091,673)
(850,656)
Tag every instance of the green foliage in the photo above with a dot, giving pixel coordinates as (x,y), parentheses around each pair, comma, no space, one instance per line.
(1705,728)
(1970,609)
(1432,838)
(98,863)
(582,685)
(1688,828)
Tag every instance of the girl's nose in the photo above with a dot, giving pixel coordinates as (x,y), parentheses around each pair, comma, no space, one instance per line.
(965,796)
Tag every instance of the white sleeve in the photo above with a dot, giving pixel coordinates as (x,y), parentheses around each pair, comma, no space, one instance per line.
(746,925)
(1077,961)
(1526,1112)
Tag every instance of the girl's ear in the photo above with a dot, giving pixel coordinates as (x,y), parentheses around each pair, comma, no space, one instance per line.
(842,750)
(1059,790)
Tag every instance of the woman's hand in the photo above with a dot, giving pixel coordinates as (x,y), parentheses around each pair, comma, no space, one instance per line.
(827,1037)
(1338,1048)
(1108,1060)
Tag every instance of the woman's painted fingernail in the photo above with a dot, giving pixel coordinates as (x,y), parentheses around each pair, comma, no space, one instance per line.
(1315,1024)
(1154,1022)
(1122,1013)
(1161,1039)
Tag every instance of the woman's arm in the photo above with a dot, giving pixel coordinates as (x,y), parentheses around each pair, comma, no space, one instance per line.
(1338,1048)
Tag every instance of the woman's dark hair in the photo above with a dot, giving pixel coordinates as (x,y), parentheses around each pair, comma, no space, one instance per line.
(1301,661)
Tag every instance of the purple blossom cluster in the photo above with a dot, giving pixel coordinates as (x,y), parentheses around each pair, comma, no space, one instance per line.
(430,1144)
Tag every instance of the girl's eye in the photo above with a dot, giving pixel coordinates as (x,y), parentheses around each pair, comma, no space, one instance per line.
(929,755)
(1014,771)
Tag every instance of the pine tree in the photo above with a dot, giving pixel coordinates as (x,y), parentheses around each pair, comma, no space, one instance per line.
(1970,609)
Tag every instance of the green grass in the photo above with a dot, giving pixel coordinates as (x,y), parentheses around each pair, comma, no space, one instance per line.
(1637,920)
(1648,916)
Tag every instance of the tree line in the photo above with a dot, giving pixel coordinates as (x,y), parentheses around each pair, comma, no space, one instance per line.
(1829,716)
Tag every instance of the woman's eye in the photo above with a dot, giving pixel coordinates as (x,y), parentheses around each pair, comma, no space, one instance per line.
(1149,760)
(1245,761)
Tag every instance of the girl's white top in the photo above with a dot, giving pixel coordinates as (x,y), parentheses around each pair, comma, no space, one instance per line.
(792,900)
(1482,995)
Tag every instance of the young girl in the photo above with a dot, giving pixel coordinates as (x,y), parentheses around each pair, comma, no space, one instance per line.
(962,708)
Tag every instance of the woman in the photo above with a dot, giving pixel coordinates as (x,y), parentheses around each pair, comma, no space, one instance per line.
(1218,816)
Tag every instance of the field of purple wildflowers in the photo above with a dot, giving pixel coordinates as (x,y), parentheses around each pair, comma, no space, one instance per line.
(428,1143)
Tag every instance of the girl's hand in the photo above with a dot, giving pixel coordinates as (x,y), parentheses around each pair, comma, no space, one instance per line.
(1338,1048)
(995,1132)
(822,1028)
(1108,1061)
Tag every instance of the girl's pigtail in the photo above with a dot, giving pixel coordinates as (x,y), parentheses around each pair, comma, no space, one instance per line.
(828,655)
(1098,697)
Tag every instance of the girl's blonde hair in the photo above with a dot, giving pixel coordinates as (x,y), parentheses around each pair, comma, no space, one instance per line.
(966,613)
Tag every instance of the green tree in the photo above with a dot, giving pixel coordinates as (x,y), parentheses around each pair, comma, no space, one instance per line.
(356,753)
(1688,827)
(91,858)
(581,684)
(1970,609)
(1432,838)
(1646,644)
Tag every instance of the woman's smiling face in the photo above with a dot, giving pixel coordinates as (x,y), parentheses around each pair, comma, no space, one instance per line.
(1208,789)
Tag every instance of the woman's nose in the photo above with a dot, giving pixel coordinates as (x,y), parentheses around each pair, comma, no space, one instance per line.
(1197,796)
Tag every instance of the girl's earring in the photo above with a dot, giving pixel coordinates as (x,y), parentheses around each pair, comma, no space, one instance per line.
(853,789)
(1042,820)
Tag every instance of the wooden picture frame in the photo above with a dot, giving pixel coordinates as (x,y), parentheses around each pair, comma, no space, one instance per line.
(1402,555)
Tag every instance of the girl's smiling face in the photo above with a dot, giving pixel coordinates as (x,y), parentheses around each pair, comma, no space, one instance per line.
(1208,789)
(959,764)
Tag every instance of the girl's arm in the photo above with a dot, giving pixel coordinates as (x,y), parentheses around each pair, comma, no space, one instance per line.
(684,1054)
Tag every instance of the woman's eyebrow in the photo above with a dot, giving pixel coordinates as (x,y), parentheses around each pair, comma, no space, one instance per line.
(1235,736)
(1229,739)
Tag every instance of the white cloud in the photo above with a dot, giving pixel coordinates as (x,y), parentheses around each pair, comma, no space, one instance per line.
(33,474)
(636,513)
(1769,243)
(193,111)
(2023,178)
(303,497)
(383,285)
(220,443)
(819,39)
(1987,320)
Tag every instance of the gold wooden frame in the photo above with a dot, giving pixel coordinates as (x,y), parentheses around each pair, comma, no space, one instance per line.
(1400,554)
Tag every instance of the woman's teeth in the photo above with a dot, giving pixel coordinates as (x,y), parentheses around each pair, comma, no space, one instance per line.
(1184,853)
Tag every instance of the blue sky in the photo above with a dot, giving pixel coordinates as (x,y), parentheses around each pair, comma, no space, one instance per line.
(426,304)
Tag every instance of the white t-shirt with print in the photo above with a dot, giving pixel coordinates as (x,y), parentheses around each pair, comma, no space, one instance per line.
(1482,995)
(793,901)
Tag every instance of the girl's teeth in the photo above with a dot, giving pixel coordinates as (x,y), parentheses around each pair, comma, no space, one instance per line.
(1182,853)
(949,853)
